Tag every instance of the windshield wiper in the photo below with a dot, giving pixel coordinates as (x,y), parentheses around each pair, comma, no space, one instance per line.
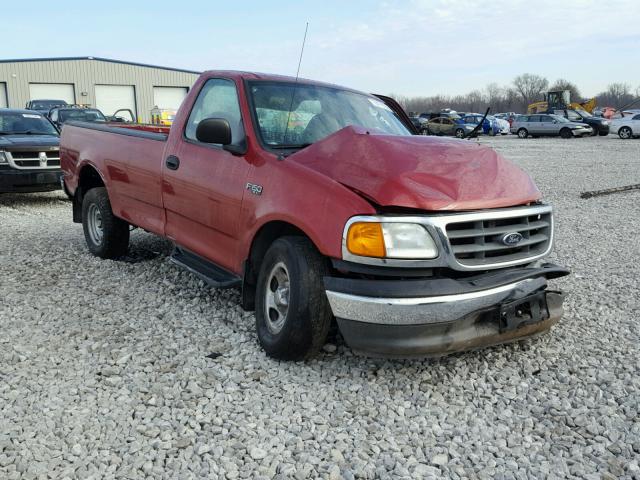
(286,147)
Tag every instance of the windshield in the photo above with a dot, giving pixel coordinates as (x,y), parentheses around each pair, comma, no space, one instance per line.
(84,115)
(292,116)
(25,123)
(46,104)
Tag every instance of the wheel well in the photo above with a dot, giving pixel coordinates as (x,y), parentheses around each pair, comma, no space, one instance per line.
(87,179)
(263,239)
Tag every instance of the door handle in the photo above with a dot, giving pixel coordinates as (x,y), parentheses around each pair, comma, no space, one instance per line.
(172,162)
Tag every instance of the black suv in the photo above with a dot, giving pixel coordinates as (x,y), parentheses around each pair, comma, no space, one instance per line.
(43,106)
(600,125)
(60,115)
(29,152)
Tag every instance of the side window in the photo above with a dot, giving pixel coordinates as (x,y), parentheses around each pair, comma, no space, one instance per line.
(573,116)
(637,117)
(54,116)
(217,99)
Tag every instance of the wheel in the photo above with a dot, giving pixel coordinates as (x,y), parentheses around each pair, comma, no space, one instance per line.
(523,133)
(424,131)
(293,315)
(565,133)
(595,132)
(603,134)
(106,235)
(459,133)
(625,133)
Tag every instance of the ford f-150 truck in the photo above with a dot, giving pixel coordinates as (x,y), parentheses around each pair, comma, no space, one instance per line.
(319,203)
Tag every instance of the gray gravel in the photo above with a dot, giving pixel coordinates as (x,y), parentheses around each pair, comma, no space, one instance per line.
(110,369)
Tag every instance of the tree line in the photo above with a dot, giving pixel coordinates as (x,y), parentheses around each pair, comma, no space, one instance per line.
(524,90)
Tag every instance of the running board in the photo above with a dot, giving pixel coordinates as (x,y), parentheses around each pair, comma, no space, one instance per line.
(207,271)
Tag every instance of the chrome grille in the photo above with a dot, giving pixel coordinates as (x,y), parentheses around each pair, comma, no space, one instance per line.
(27,160)
(478,242)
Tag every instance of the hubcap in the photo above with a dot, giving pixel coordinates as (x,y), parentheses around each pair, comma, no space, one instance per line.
(624,133)
(94,224)
(277,298)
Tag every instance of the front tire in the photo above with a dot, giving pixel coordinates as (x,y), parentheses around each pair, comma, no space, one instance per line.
(625,133)
(565,133)
(459,133)
(106,235)
(293,315)
(523,133)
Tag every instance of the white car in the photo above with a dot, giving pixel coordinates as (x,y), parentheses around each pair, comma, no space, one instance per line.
(626,127)
(503,126)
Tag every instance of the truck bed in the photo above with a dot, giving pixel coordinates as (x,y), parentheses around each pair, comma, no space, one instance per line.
(129,159)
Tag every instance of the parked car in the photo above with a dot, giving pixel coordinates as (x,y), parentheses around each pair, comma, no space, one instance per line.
(60,115)
(599,125)
(446,114)
(420,124)
(311,218)
(43,106)
(627,126)
(509,116)
(448,126)
(548,125)
(504,127)
(489,126)
(29,152)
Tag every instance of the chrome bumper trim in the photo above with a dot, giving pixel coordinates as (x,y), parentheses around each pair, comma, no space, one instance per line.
(426,310)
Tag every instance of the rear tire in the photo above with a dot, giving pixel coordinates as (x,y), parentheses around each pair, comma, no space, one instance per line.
(625,133)
(106,235)
(293,314)
(523,133)
(603,134)
(565,133)
(459,133)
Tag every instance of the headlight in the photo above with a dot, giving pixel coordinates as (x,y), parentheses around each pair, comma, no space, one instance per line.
(390,240)
(3,158)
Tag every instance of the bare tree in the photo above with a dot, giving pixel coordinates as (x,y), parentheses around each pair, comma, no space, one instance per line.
(530,87)
(616,95)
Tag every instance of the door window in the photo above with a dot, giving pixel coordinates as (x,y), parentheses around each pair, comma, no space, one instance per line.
(217,99)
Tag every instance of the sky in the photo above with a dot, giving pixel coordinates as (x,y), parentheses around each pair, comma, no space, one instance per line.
(410,47)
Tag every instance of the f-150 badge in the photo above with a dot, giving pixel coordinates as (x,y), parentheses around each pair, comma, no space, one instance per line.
(255,189)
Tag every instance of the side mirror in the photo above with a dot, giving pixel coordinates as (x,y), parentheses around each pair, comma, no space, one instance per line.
(214,130)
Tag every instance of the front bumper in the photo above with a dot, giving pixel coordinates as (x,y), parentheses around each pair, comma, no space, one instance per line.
(432,317)
(28,181)
(581,132)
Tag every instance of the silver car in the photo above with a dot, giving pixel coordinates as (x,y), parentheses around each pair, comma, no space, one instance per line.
(548,125)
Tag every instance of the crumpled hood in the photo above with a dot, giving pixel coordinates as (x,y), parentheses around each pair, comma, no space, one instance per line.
(421,172)
(22,141)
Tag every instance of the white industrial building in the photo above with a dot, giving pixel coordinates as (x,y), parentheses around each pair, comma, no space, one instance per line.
(106,84)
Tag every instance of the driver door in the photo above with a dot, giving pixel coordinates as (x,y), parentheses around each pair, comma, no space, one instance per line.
(203,184)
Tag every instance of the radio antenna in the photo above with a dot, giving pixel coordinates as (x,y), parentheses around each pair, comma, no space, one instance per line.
(295,85)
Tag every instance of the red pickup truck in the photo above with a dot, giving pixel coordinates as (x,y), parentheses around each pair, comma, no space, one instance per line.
(322,206)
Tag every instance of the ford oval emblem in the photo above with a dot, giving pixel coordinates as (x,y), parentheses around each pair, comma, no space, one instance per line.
(511,239)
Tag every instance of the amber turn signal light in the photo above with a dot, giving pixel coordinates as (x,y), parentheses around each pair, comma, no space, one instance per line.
(366,239)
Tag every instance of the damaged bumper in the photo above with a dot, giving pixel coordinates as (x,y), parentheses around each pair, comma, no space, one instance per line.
(432,317)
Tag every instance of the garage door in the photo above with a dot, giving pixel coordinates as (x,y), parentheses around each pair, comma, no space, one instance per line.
(169,97)
(3,95)
(52,91)
(110,98)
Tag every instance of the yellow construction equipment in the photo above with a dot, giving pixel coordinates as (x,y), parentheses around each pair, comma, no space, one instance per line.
(560,100)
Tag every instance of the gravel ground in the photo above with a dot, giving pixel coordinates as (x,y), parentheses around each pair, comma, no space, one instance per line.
(135,369)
